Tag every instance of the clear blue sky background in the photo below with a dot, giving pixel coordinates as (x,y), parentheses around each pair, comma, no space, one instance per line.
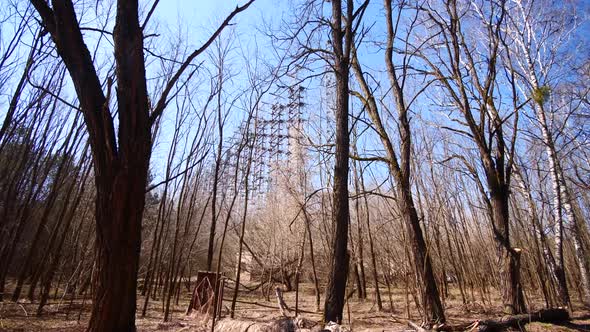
(199,17)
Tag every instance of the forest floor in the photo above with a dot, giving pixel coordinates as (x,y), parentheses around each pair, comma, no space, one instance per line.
(359,315)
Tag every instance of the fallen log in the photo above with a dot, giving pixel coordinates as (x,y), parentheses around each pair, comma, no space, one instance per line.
(516,321)
(557,315)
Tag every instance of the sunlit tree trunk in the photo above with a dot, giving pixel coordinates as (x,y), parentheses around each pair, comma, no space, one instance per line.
(338,273)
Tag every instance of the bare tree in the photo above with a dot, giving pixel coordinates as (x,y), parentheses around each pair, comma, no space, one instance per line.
(121,161)
(399,163)
(342,36)
(539,64)
(472,87)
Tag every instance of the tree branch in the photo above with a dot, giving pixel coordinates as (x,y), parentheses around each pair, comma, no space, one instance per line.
(163,101)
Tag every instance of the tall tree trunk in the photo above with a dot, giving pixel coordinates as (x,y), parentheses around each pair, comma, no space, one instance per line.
(400,170)
(298,270)
(431,303)
(120,161)
(557,267)
(338,273)
(120,172)
(486,128)
(121,182)
(213,226)
(118,217)
(559,187)
(508,257)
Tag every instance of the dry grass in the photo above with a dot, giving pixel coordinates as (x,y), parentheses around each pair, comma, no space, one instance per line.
(359,315)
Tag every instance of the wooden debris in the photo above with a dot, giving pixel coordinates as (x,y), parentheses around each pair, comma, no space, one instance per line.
(280,324)
(283,307)
(501,324)
(517,321)
(333,327)
(416,327)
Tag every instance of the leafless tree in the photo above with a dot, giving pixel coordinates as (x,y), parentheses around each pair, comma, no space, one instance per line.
(399,162)
(470,81)
(121,161)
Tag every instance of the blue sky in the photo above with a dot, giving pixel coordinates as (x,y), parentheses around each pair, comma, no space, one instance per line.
(195,20)
(200,17)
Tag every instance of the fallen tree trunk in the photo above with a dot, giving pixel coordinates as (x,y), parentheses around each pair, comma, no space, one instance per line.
(501,324)
(517,321)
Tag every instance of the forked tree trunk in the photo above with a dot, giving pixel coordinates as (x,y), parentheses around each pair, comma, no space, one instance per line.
(121,183)
(486,128)
(120,171)
(121,160)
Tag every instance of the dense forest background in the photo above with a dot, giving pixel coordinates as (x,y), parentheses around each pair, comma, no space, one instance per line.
(355,147)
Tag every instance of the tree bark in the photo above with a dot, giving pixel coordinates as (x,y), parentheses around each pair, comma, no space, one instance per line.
(120,162)
(120,172)
(338,274)
(508,257)
(431,303)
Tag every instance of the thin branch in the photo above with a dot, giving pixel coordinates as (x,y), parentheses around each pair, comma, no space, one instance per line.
(163,101)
